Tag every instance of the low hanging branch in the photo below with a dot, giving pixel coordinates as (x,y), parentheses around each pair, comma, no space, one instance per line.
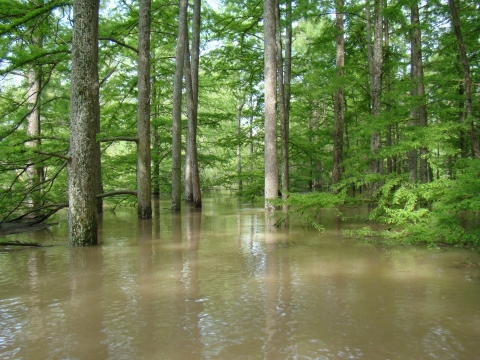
(53,208)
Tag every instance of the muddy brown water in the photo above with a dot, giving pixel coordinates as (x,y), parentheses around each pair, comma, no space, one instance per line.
(224,284)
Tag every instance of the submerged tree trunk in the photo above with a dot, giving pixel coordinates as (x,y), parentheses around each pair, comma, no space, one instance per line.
(82,215)
(339,95)
(144,171)
(271,159)
(177,108)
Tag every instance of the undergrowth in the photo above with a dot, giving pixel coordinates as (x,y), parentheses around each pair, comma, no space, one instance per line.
(443,211)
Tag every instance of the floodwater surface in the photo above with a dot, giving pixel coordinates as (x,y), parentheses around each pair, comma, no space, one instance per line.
(223,283)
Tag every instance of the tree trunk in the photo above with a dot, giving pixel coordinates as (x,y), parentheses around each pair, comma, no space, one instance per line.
(287,79)
(98,153)
(177,108)
(144,171)
(82,217)
(375,140)
(420,87)
(239,149)
(339,95)
(388,137)
(190,124)
(412,157)
(155,136)
(467,82)
(35,173)
(282,103)
(192,177)
(271,159)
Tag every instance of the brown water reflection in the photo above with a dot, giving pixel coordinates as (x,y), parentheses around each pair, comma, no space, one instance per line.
(224,283)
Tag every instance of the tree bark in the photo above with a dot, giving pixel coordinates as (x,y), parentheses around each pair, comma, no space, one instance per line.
(82,217)
(339,95)
(271,159)
(177,108)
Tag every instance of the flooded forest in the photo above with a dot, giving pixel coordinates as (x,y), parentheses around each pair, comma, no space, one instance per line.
(239,179)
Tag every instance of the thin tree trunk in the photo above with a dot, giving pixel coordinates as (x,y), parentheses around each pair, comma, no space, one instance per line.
(369,46)
(287,79)
(282,103)
(388,138)
(271,159)
(144,171)
(177,108)
(375,140)
(35,173)
(239,149)
(192,62)
(82,214)
(422,108)
(339,95)
(155,136)
(412,159)
(98,153)
(467,82)
(190,124)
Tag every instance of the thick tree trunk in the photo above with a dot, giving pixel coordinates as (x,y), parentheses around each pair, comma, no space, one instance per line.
(339,95)
(271,159)
(144,170)
(177,108)
(82,216)
(467,82)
